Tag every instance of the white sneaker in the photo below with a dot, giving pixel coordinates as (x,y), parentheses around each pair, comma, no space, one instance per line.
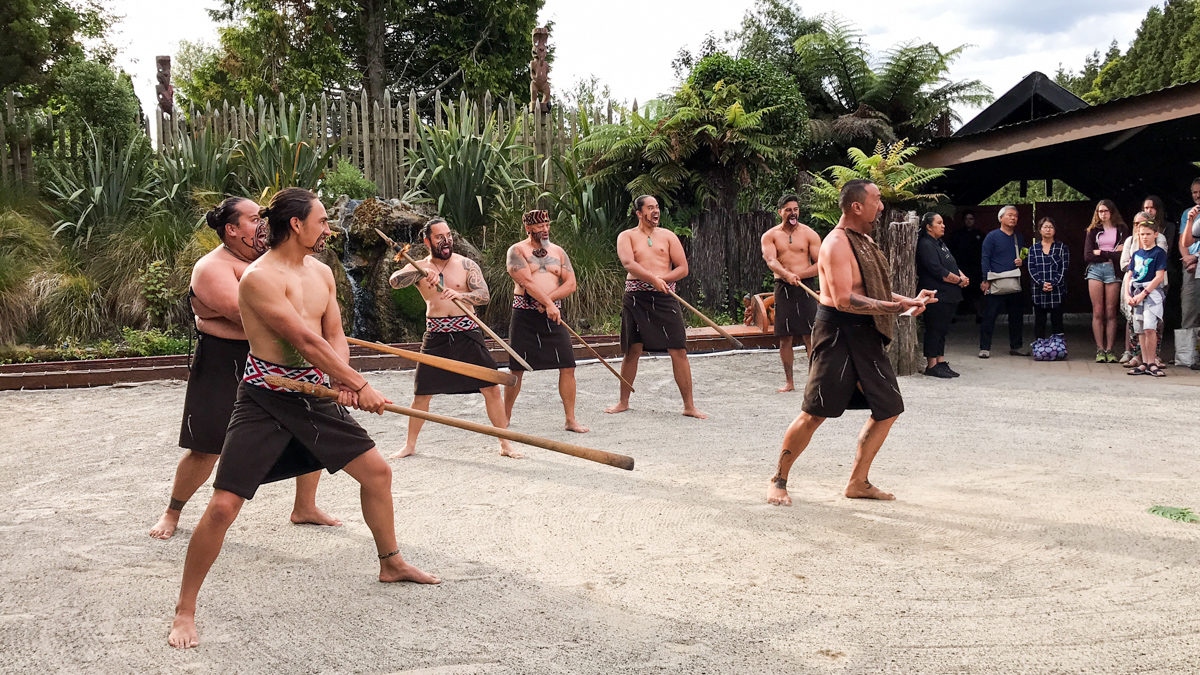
(983,354)
(1125,357)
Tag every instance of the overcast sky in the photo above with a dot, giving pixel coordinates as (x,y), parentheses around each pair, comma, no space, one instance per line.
(629,44)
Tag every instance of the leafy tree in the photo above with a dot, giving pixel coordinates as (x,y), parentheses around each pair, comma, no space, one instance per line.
(768,34)
(761,85)
(309,46)
(1164,52)
(39,36)
(1081,83)
(93,94)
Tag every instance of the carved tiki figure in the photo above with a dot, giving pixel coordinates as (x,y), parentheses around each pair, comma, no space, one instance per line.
(539,72)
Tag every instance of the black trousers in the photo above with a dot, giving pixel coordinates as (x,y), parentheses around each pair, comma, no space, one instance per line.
(1039,320)
(1012,304)
(938,317)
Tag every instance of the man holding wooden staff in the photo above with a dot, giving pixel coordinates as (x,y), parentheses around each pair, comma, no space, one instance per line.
(651,318)
(542,276)
(289,310)
(855,321)
(216,370)
(448,331)
(790,250)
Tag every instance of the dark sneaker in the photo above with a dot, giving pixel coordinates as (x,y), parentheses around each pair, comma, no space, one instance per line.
(938,371)
(1018,352)
(946,366)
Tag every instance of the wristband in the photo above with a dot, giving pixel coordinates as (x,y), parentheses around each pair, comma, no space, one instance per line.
(364,386)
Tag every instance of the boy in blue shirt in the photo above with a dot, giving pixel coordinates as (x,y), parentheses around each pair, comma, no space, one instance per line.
(1144,293)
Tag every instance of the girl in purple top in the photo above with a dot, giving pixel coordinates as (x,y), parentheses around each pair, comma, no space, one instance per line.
(1102,247)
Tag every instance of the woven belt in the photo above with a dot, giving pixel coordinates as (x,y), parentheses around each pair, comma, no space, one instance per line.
(257,369)
(636,285)
(526,302)
(449,324)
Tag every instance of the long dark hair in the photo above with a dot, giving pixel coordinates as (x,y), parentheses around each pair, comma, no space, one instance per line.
(223,214)
(288,203)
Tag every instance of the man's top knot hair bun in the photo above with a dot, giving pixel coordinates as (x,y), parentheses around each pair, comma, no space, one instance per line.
(213,218)
(265,213)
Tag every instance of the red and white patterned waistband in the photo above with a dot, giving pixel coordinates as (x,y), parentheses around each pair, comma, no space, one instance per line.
(257,370)
(450,324)
(526,302)
(636,285)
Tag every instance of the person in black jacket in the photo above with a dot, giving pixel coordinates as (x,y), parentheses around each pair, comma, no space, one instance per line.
(938,271)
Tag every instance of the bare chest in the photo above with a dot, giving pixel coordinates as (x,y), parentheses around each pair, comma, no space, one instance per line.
(308,294)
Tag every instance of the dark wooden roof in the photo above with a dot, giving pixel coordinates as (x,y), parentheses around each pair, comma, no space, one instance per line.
(1123,150)
(1034,97)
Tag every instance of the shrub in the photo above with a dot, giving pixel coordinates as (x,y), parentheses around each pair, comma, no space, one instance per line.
(111,185)
(25,245)
(196,172)
(470,170)
(154,342)
(346,179)
(153,280)
(280,155)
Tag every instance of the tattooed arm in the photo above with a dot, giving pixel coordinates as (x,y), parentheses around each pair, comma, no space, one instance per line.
(566,283)
(478,293)
(409,275)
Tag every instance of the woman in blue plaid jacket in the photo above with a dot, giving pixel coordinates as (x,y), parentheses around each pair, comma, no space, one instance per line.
(1048,260)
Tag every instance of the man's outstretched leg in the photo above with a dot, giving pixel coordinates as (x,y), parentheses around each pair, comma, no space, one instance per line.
(374,477)
(202,551)
(511,392)
(420,402)
(305,510)
(872,436)
(494,402)
(629,368)
(194,468)
(566,391)
(787,357)
(683,379)
(797,437)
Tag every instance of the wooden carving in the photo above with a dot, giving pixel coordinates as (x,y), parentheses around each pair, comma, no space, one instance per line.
(539,72)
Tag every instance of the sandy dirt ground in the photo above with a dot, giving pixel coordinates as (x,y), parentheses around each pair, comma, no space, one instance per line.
(1020,540)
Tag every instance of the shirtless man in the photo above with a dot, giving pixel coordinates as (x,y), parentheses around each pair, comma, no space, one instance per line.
(790,250)
(216,369)
(651,319)
(448,331)
(854,322)
(289,310)
(542,277)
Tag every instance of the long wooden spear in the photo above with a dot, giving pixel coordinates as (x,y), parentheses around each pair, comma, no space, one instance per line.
(597,355)
(468,369)
(465,307)
(712,324)
(591,454)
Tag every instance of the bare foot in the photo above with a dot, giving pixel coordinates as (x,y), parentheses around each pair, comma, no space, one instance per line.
(165,527)
(406,452)
(391,572)
(313,516)
(506,450)
(618,408)
(778,496)
(867,491)
(692,412)
(577,428)
(183,630)
(787,387)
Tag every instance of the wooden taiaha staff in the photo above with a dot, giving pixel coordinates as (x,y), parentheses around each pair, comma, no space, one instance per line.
(712,324)
(466,308)
(468,369)
(600,456)
(597,355)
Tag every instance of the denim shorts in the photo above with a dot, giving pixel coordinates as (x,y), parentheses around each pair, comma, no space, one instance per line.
(1102,272)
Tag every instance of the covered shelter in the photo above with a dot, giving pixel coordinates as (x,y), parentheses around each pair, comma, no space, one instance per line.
(1124,150)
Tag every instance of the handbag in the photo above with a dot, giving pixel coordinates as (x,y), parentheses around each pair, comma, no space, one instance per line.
(1187,351)
(1053,348)
(1005,283)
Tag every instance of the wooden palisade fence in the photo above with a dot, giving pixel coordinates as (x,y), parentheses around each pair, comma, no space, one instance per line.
(374,136)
